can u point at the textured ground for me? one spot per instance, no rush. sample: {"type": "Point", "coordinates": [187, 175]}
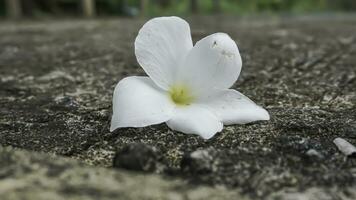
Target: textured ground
{"type": "Point", "coordinates": [56, 84]}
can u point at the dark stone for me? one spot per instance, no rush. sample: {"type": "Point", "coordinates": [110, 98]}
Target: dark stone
{"type": "Point", "coordinates": [198, 162]}
{"type": "Point", "coordinates": [137, 156]}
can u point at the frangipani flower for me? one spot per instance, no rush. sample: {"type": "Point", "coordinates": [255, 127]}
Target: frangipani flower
{"type": "Point", "coordinates": [187, 86]}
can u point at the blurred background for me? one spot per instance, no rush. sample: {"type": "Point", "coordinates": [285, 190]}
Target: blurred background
{"type": "Point", "coordinates": [24, 9]}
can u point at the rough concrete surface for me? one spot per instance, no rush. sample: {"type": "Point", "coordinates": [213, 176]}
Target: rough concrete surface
{"type": "Point", "coordinates": [56, 84]}
{"type": "Point", "coordinates": [38, 176]}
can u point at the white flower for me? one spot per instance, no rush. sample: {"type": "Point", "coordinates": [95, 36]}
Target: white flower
{"type": "Point", "coordinates": [186, 87]}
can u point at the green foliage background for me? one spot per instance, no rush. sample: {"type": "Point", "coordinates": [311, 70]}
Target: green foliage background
{"type": "Point", "coordinates": [181, 7]}
{"type": "Point", "coordinates": [243, 6]}
{"type": "Point", "coordinates": [260, 6]}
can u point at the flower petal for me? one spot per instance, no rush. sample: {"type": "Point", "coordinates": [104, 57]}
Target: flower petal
{"type": "Point", "coordinates": [138, 102]}
{"type": "Point", "coordinates": [232, 107]}
{"type": "Point", "coordinates": [195, 119]}
{"type": "Point", "coordinates": [160, 47]}
{"type": "Point", "coordinates": [214, 62]}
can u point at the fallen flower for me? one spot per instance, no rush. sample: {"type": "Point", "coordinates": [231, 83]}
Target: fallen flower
{"type": "Point", "coordinates": [186, 87]}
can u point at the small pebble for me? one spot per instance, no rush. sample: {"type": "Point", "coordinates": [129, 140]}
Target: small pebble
{"type": "Point", "coordinates": [345, 147]}
{"type": "Point", "coordinates": [314, 153]}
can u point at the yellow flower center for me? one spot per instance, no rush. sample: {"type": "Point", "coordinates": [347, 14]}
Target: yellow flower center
{"type": "Point", "coordinates": [181, 95]}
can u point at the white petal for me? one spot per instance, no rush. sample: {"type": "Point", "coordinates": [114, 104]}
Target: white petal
{"type": "Point", "coordinates": [214, 62]}
{"type": "Point", "coordinates": [160, 47]}
{"type": "Point", "coordinates": [197, 120]}
{"type": "Point", "coordinates": [232, 107]}
{"type": "Point", "coordinates": [138, 102]}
